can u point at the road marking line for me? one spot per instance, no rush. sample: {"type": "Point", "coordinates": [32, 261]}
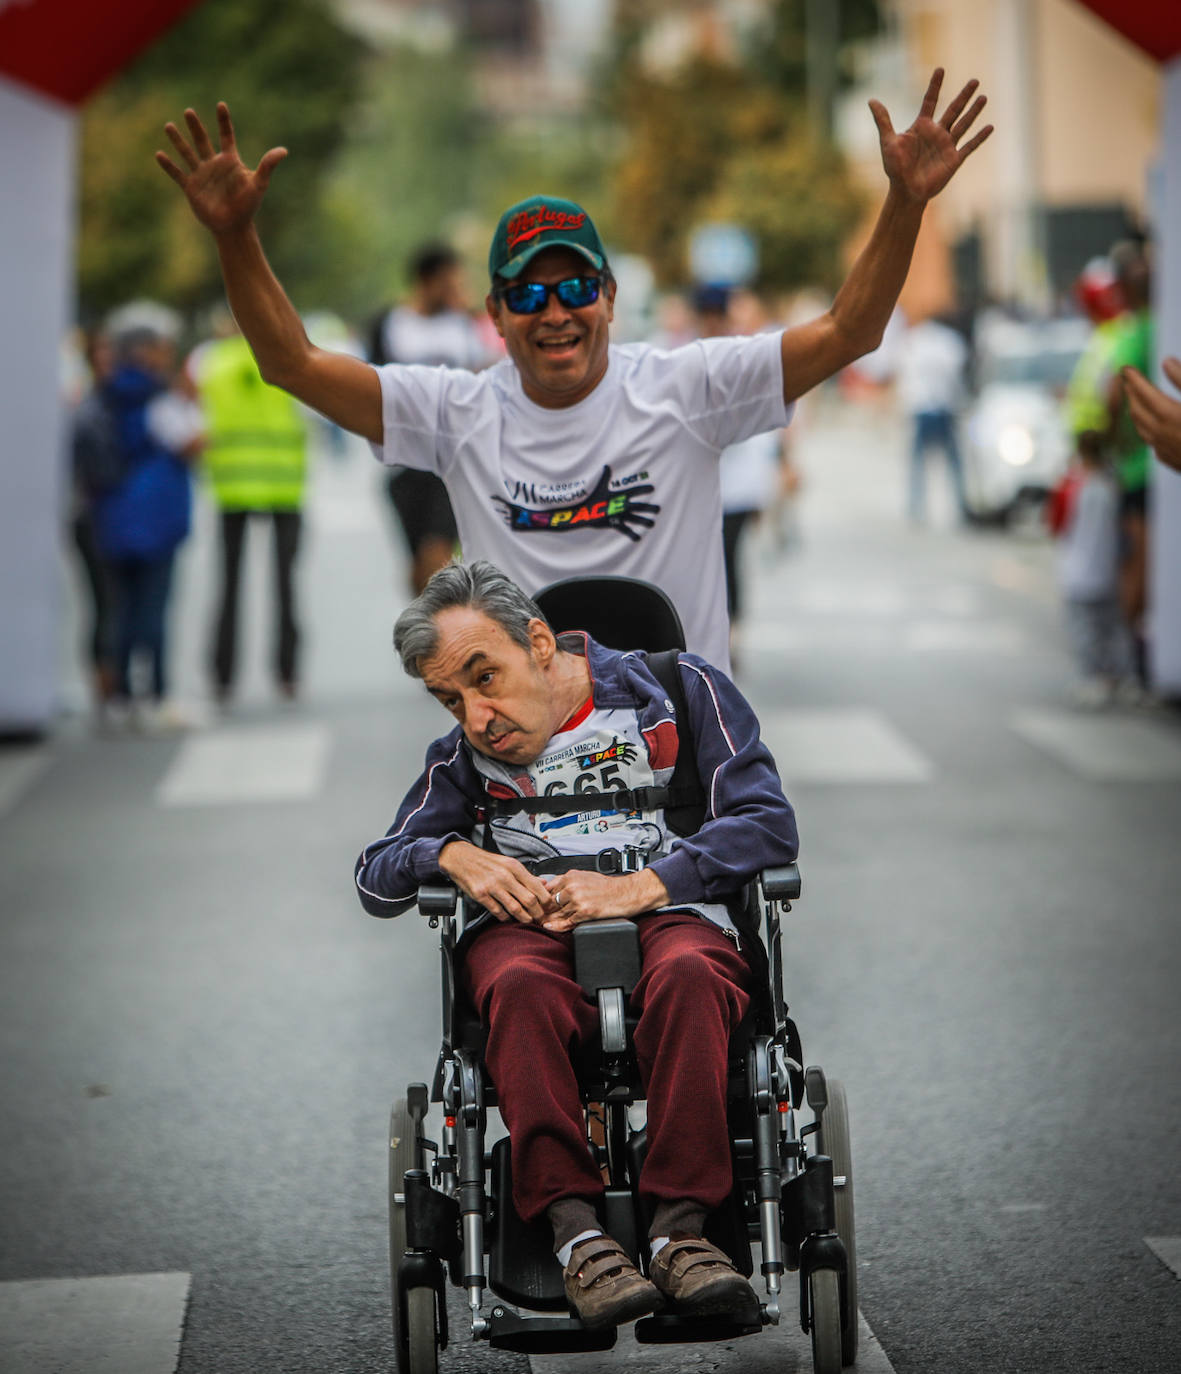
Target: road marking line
{"type": "Point", "coordinates": [1167, 1249]}
{"type": "Point", "coordinates": [964, 637]}
{"type": "Point", "coordinates": [771, 1351]}
{"type": "Point", "coordinates": [271, 763]}
{"type": "Point", "coordinates": [1107, 748]}
{"type": "Point", "coordinates": [841, 746]}
{"type": "Point", "coordinates": [20, 767]}
{"type": "Point", "coordinates": [124, 1324]}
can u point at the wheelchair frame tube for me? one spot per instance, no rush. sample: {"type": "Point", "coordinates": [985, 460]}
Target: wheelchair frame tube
{"type": "Point", "coordinates": [471, 1186]}
{"type": "Point", "coordinates": [767, 1167]}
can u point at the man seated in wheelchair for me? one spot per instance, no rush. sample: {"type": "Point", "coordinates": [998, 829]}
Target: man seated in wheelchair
{"type": "Point", "coordinates": [539, 717]}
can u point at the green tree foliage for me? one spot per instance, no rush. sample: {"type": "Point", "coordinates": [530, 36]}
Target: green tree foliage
{"type": "Point", "coordinates": [289, 75]}
{"type": "Point", "coordinates": [404, 176]}
{"type": "Point", "coordinates": [779, 54]}
{"type": "Point", "coordinates": [713, 141]}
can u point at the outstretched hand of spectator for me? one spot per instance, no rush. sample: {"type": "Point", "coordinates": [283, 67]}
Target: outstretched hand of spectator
{"type": "Point", "coordinates": [223, 192]}
{"type": "Point", "coordinates": [921, 160]}
{"type": "Point", "coordinates": [1155, 415]}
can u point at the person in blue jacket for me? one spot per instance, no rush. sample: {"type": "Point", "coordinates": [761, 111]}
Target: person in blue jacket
{"type": "Point", "coordinates": [539, 716]}
{"type": "Point", "coordinates": [143, 512]}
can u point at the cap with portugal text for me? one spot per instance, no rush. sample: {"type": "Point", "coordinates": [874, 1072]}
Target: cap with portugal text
{"type": "Point", "coordinates": [540, 222]}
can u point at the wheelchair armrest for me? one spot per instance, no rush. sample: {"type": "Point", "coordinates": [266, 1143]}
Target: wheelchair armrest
{"type": "Point", "coordinates": [438, 899]}
{"type": "Point", "coordinates": [782, 884]}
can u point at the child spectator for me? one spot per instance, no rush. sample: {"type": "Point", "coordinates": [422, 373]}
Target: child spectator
{"type": "Point", "coordinates": [1089, 573]}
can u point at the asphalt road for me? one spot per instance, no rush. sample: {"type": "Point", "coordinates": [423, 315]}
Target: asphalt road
{"type": "Point", "coordinates": [202, 1032]}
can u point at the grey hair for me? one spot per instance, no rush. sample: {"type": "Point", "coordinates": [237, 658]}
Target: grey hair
{"type": "Point", "coordinates": [479, 585]}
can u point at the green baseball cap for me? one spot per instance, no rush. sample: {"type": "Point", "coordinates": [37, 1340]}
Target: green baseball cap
{"type": "Point", "coordinates": [541, 222]}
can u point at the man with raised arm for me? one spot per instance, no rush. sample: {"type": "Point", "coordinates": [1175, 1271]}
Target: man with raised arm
{"type": "Point", "coordinates": [573, 453]}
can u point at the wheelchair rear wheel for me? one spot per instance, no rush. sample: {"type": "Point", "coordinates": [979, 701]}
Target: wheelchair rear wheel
{"type": "Point", "coordinates": [834, 1141]}
{"type": "Point", "coordinates": [824, 1302]}
{"type": "Point", "coordinates": [406, 1152]}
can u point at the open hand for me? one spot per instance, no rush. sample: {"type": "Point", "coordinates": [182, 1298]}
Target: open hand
{"type": "Point", "coordinates": [1155, 415]}
{"type": "Point", "coordinates": [223, 192]}
{"type": "Point", "coordinates": [922, 160]}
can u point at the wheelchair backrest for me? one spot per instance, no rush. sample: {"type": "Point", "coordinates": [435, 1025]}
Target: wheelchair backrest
{"type": "Point", "coordinates": [620, 612]}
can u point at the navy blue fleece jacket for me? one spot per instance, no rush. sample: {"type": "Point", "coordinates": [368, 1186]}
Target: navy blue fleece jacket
{"type": "Point", "coordinates": [749, 824]}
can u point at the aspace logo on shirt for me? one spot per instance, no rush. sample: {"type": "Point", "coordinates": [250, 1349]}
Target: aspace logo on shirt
{"type": "Point", "coordinates": [601, 507]}
{"type": "Point", "coordinates": [619, 750]}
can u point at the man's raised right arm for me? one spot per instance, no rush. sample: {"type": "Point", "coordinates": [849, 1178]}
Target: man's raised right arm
{"type": "Point", "coordinates": [224, 194]}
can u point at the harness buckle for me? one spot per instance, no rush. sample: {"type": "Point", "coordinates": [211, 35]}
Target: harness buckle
{"type": "Point", "coordinates": [630, 859]}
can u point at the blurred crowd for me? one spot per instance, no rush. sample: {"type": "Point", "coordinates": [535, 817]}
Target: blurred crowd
{"type": "Point", "coordinates": [1035, 414]}
{"type": "Point", "coordinates": [148, 418]}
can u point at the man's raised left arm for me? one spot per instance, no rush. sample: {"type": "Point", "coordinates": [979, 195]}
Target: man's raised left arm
{"type": "Point", "coordinates": [919, 162]}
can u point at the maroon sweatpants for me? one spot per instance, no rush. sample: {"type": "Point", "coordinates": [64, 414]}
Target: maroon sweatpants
{"type": "Point", "coordinates": [690, 997]}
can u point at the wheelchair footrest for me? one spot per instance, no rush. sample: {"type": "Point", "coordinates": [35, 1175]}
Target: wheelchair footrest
{"type": "Point", "coordinates": [508, 1330]}
{"type": "Point", "coordinates": [666, 1328]}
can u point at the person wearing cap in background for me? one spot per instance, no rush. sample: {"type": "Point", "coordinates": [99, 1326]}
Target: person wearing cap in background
{"type": "Point", "coordinates": [1098, 292]}
{"type": "Point", "coordinates": [573, 455]}
{"type": "Point", "coordinates": [1132, 346]}
{"type": "Point", "coordinates": [142, 509]}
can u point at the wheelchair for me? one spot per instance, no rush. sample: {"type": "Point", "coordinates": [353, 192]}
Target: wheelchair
{"type": "Point", "coordinates": [451, 1210]}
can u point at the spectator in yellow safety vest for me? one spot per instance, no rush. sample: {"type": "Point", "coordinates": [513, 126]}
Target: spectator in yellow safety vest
{"type": "Point", "coordinates": [255, 462]}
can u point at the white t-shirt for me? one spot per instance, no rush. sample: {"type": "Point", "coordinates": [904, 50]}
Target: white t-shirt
{"type": "Point", "coordinates": [625, 482]}
{"type": "Point", "coordinates": [931, 361]}
{"type": "Point", "coordinates": [448, 339]}
{"type": "Point", "coordinates": [600, 749]}
{"type": "Point", "coordinates": [175, 421]}
{"type": "Point", "coordinates": [1088, 564]}
{"type": "Point", "coordinates": [750, 472]}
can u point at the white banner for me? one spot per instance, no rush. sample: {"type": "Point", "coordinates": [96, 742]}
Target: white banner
{"type": "Point", "coordinates": [36, 288]}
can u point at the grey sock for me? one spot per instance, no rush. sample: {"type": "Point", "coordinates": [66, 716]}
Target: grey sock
{"type": "Point", "coordinates": [569, 1217]}
{"type": "Point", "coordinates": [685, 1218]}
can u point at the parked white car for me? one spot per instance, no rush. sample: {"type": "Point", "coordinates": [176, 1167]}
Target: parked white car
{"type": "Point", "coordinates": [1015, 443]}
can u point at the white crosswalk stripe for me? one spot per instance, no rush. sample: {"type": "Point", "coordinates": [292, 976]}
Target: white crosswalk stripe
{"type": "Point", "coordinates": [19, 769]}
{"type": "Point", "coordinates": [260, 764]}
{"type": "Point", "coordinates": [1105, 748]}
{"type": "Point", "coordinates": [841, 746]}
{"type": "Point", "coordinates": [124, 1324]}
{"type": "Point", "coordinates": [1167, 1249]}
{"type": "Point", "coordinates": [772, 1351]}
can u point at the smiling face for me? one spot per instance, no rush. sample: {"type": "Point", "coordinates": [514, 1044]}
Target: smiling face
{"type": "Point", "coordinates": [561, 353]}
{"type": "Point", "coordinates": [501, 693]}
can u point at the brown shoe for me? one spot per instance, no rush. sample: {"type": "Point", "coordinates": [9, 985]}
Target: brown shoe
{"type": "Point", "coordinates": [604, 1287]}
{"type": "Point", "coordinates": [700, 1279]}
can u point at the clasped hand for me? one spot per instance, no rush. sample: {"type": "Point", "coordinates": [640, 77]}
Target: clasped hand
{"type": "Point", "coordinates": [506, 888]}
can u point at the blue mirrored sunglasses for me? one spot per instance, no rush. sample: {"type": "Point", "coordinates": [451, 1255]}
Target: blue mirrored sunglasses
{"type": "Point", "coordinates": [531, 297]}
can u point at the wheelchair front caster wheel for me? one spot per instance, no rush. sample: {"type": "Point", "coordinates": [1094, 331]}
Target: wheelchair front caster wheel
{"type": "Point", "coordinates": [421, 1351]}
{"type": "Point", "coordinates": [824, 1304]}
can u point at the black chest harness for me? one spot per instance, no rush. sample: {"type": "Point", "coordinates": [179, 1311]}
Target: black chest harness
{"type": "Point", "coordinates": [682, 797]}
